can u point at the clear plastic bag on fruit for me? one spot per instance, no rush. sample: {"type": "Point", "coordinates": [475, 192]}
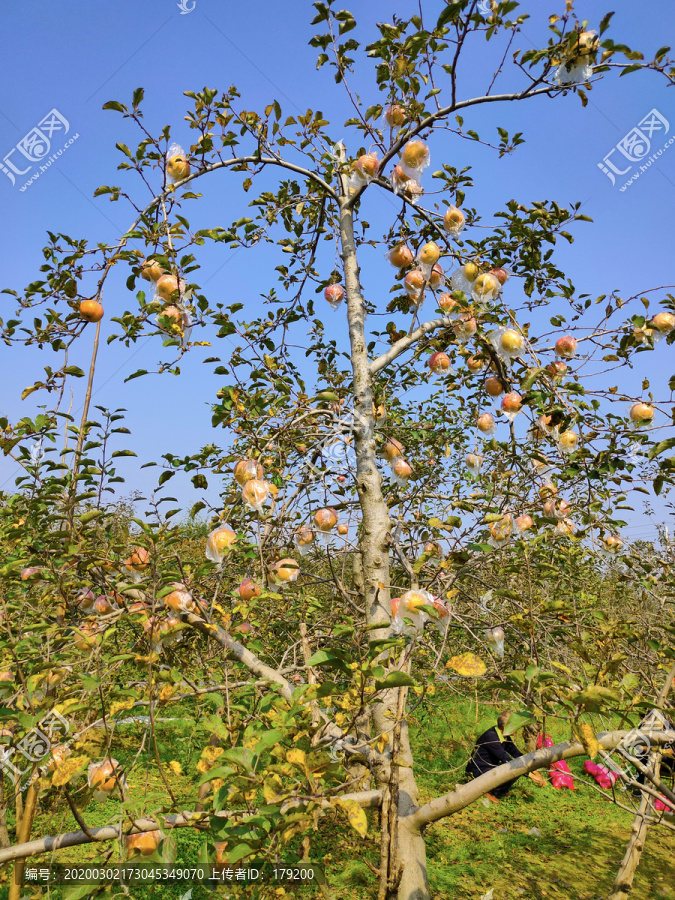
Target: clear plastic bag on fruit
{"type": "Point", "coordinates": [500, 531]}
{"type": "Point", "coordinates": [401, 470]}
{"type": "Point", "coordinates": [485, 288]}
{"type": "Point", "coordinates": [507, 342]}
{"type": "Point", "coordinates": [334, 295]}
{"type": "Point", "coordinates": [486, 425]}
{"type": "Point", "coordinates": [176, 321]}
{"type": "Point", "coordinates": [464, 277]}
{"type": "Point", "coordinates": [474, 461]}
{"type": "Point", "coordinates": [565, 528]}
{"type": "Point", "coordinates": [465, 327]}
{"type": "Point", "coordinates": [442, 618]}
{"type": "Point", "coordinates": [495, 638]}
{"type": "Point", "coordinates": [578, 72]}
{"type": "Point", "coordinates": [454, 221]}
{"type": "Point", "coordinates": [218, 543]}
{"type": "Point", "coordinates": [415, 158]}
{"type": "Point", "coordinates": [512, 405]}
{"type": "Point", "coordinates": [399, 256]}
{"type": "Point", "coordinates": [439, 363]}
{"type": "Point", "coordinates": [283, 573]}
{"type": "Point", "coordinates": [304, 540]}
{"type": "Point", "coordinates": [177, 166]}
{"type": "Point", "coordinates": [414, 284]}
{"type": "Point", "coordinates": [522, 526]}
{"type": "Point", "coordinates": [255, 494]}
{"type": "Point", "coordinates": [568, 442]}
{"type": "Point", "coordinates": [245, 470]}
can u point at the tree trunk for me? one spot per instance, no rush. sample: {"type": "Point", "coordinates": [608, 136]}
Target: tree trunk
{"type": "Point", "coordinates": [403, 859]}
{"type": "Point", "coordinates": [623, 883]}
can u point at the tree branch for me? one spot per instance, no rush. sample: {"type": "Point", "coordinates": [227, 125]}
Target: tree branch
{"type": "Point", "coordinates": [464, 794]}
{"type": "Point", "coordinates": [406, 342]}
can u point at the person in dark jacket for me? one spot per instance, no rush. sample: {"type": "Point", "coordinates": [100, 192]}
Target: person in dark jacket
{"type": "Point", "coordinates": [493, 749]}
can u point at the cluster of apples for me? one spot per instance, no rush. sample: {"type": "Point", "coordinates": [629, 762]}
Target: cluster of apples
{"type": "Point", "coordinates": [255, 489]}
{"type": "Point", "coordinates": [169, 299]}
{"type": "Point", "coordinates": [406, 178]}
{"type": "Point", "coordinates": [414, 609]}
{"type": "Point", "coordinates": [659, 326]}
{"type": "Point", "coordinates": [483, 286]}
{"type": "Point", "coordinates": [400, 468]}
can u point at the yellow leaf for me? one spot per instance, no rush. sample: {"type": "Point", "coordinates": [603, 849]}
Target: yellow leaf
{"type": "Point", "coordinates": [561, 666]}
{"type": "Point", "coordinates": [357, 817]}
{"type": "Point", "coordinates": [296, 757]}
{"type": "Point", "coordinates": [120, 706]}
{"type": "Point", "coordinates": [272, 789]}
{"type": "Point", "coordinates": [68, 768]}
{"type": "Point", "coordinates": [467, 665]}
{"type": "Point", "coordinates": [166, 692]}
{"type": "Point", "coordinates": [176, 767]}
{"type": "Point", "coordinates": [382, 742]}
{"type": "Point", "coordinates": [585, 735]}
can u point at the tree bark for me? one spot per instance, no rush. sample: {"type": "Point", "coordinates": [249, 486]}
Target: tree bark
{"type": "Point", "coordinates": [399, 800]}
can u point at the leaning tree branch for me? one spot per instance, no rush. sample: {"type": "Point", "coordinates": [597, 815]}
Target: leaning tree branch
{"type": "Point", "coordinates": [407, 342]}
{"type": "Point", "coordinates": [465, 794]}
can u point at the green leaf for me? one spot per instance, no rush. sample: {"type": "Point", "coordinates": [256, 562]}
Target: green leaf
{"type": "Point", "coordinates": [394, 680]}
{"type": "Point", "coordinates": [123, 453]}
{"type": "Point", "coordinates": [113, 104]}
{"type": "Point", "coordinates": [661, 447]}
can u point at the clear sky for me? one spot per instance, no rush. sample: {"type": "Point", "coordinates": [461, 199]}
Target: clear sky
{"type": "Point", "coordinates": [74, 55]}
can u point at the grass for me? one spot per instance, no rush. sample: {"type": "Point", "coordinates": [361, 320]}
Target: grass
{"type": "Point", "coordinates": [575, 857]}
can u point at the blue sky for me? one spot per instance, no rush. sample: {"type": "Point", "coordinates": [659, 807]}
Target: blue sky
{"type": "Point", "coordinates": [74, 55]}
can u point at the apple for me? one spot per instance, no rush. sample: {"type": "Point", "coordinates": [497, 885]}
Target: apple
{"type": "Point", "coordinates": [512, 402]}
{"type": "Point", "coordinates": [394, 115]}
{"type": "Point", "coordinates": [166, 286]}
{"type": "Point", "coordinates": [447, 303]}
{"type": "Point", "coordinates": [29, 572]}
{"type": "Point", "coordinates": [511, 341]}
{"type": "Point", "coordinates": [139, 559]}
{"type": "Point", "coordinates": [343, 528]}
{"type": "Point", "coordinates": [179, 599]}
{"type": "Point", "coordinates": [285, 571]}
{"type": "Point", "coordinates": [400, 179]}
{"type": "Point", "coordinates": [440, 363]}
{"type": "Point", "coordinates": [58, 755]}
{"type": "Point", "coordinates": [219, 540]}
{"type": "Point", "coordinates": [248, 589]}
{"type": "Point", "coordinates": [587, 43]}
{"type": "Point", "coordinates": [486, 423]}
{"type": "Point", "coordinates": [392, 449]}
{"type": "Point", "coordinates": [304, 536]}
{"type": "Point", "coordinates": [548, 490]}
{"type": "Point", "coordinates": [429, 254]}
{"type": "Point", "coordinates": [493, 386]}
{"type": "Point", "coordinates": [143, 844]}
{"type": "Point", "coordinates": [495, 635]}
{"type": "Point", "coordinates": [91, 311]}
{"type": "Point", "coordinates": [245, 470]}
{"type": "Point", "coordinates": [432, 548]}
{"type": "Point", "coordinates": [85, 599]}
{"type": "Point", "coordinates": [473, 463]}
{"type": "Point", "coordinates": [400, 256]}
{"type": "Point", "coordinates": [367, 165]}
{"type": "Point", "coordinates": [325, 519]}
{"type": "Point", "coordinates": [486, 286]}
{"type": "Point", "coordinates": [475, 364]}
{"type": "Point", "coordinates": [549, 509]}
{"type": "Point", "coordinates": [524, 523]}
{"type": "Point", "coordinates": [466, 327]}
{"type": "Point", "coordinates": [151, 270]}
{"type": "Point", "coordinates": [334, 294]}
{"type": "Point", "coordinates": [436, 276]}
{"type": "Point", "coordinates": [557, 368]}
{"type": "Point", "coordinates": [568, 441]}
{"type": "Point", "coordinates": [415, 154]}
{"type": "Point", "coordinates": [471, 271]}
{"type": "Point", "coordinates": [501, 530]}
{"type": "Point", "coordinates": [255, 493]}
{"type": "Point", "coordinates": [402, 469]}
{"type": "Point", "coordinates": [103, 777]}
{"type": "Point", "coordinates": [566, 346]}
{"type": "Point", "coordinates": [641, 413]}
{"type": "Point", "coordinates": [612, 543]}
{"type": "Point", "coordinates": [501, 275]}
{"type": "Point", "coordinates": [565, 528]}
{"type": "Point", "coordinates": [413, 600]}
{"type": "Point", "coordinates": [453, 220]}
{"type": "Point", "coordinates": [379, 413]}
{"type": "Point", "coordinates": [7, 675]}
{"type": "Point", "coordinates": [103, 606]}
{"type": "Point", "coordinates": [87, 636]}
{"type": "Point", "coordinates": [178, 167]}
{"type": "Point", "coordinates": [414, 284]}
{"type": "Point", "coordinates": [664, 322]}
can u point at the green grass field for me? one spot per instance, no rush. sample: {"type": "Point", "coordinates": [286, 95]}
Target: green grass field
{"type": "Point", "coordinates": [574, 857]}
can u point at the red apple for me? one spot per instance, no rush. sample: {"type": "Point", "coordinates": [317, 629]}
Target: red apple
{"type": "Point", "coordinates": [91, 311]}
{"type": "Point", "coordinates": [401, 256]}
{"type": "Point", "coordinates": [248, 589]}
{"type": "Point", "coordinates": [566, 346]}
{"type": "Point", "coordinates": [440, 363]}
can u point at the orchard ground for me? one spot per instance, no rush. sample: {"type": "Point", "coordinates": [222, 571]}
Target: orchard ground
{"type": "Point", "coordinates": [574, 856]}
